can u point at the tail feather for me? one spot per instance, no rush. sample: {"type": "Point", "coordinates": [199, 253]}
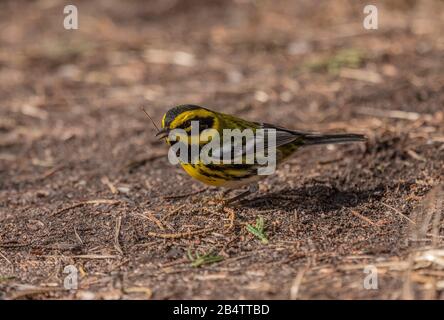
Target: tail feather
{"type": "Point", "coordinates": [311, 139]}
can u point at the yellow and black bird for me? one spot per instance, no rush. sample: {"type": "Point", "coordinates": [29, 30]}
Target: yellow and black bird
{"type": "Point", "coordinates": [236, 175]}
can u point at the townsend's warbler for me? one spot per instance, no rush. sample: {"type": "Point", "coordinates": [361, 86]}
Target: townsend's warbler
{"type": "Point", "coordinates": [233, 175]}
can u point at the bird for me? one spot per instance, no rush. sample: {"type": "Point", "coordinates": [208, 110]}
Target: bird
{"type": "Point", "coordinates": [236, 175]}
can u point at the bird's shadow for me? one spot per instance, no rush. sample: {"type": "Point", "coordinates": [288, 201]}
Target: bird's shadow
{"type": "Point", "coordinates": [313, 197]}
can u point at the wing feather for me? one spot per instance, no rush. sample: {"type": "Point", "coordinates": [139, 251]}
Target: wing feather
{"type": "Point", "coordinates": [259, 143]}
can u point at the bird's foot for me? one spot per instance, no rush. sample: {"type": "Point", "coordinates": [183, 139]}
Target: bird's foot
{"type": "Point", "coordinates": [251, 189]}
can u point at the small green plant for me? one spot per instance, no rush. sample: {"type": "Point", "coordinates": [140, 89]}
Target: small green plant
{"type": "Point", "coordinates": [348, 58]}
{"type": "Point", "coordinates": [199, 260]}
{"type": "Point", "coordinates": [6, 278]}
{"type": "Point", "coordinates": [258, 229]}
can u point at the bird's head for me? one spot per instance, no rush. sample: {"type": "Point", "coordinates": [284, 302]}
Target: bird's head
{"type": "Point", "coordinates": [181, 117]}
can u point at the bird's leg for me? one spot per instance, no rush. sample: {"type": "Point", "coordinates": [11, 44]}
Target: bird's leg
{"type": "Point", "coordinates": [251, 189]}
{"type": "Point", "coordinates": [221, 194]}
{"type": "Point", "coordinates": [225, 192]}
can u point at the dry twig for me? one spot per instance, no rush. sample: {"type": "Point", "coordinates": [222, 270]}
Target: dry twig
{"type": "Point", "coordinates": [4, 257]}
{"type": "Point", "coordinates": [360, 216]}
{"type": "Point", "coordinates": [112, 188]}
{"type": "Point", "coordinates": [399, 213]}
{"type": "Point", "coordinates": [116, 235]}
{"type": "Point", "coordinates": [185, 195]}
{"type": "Point", "coordinates": [393, 114]}
{"type": "Point", "coordinates": [81, 204]}
{"type": "Point", "coordinates": [180, 234]}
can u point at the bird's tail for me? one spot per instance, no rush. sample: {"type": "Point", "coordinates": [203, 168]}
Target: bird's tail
{"type": "Point", "coordinates": [311, 139]}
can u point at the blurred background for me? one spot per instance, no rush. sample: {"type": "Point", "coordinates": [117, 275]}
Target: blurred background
{"type": "Point", "coordinates": [294, 62]}
{"type": "Point", "coordinates": [71, 130]}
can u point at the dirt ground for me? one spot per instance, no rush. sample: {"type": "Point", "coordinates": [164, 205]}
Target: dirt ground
{"type": "Point", "coordinates": [84, 181]}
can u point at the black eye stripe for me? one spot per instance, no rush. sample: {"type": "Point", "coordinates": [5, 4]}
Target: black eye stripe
{"type": "Point", "coordinates": [204, 123]}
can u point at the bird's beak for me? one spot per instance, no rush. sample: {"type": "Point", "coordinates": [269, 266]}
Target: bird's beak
{"type": "Point", "coordinates": [163, 133]}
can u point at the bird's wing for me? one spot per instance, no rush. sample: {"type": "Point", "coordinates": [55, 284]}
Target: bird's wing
{"type": "Point", "coordinates": [283, 136]}
{"type": "Point", "coordinates": [258, 143]}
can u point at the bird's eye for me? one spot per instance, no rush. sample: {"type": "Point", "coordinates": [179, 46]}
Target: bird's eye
{"type": "Point", "coordinates": [186, 124]}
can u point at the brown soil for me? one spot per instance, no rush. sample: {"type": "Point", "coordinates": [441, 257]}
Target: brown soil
{"type": "Point", "coordinates": [84, 181]}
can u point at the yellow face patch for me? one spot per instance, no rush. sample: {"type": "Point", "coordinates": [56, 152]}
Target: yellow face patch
{"type": "Point", "coordinates": [207, 119]}
{"type": "Point", "coordinates": [163, 120]}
